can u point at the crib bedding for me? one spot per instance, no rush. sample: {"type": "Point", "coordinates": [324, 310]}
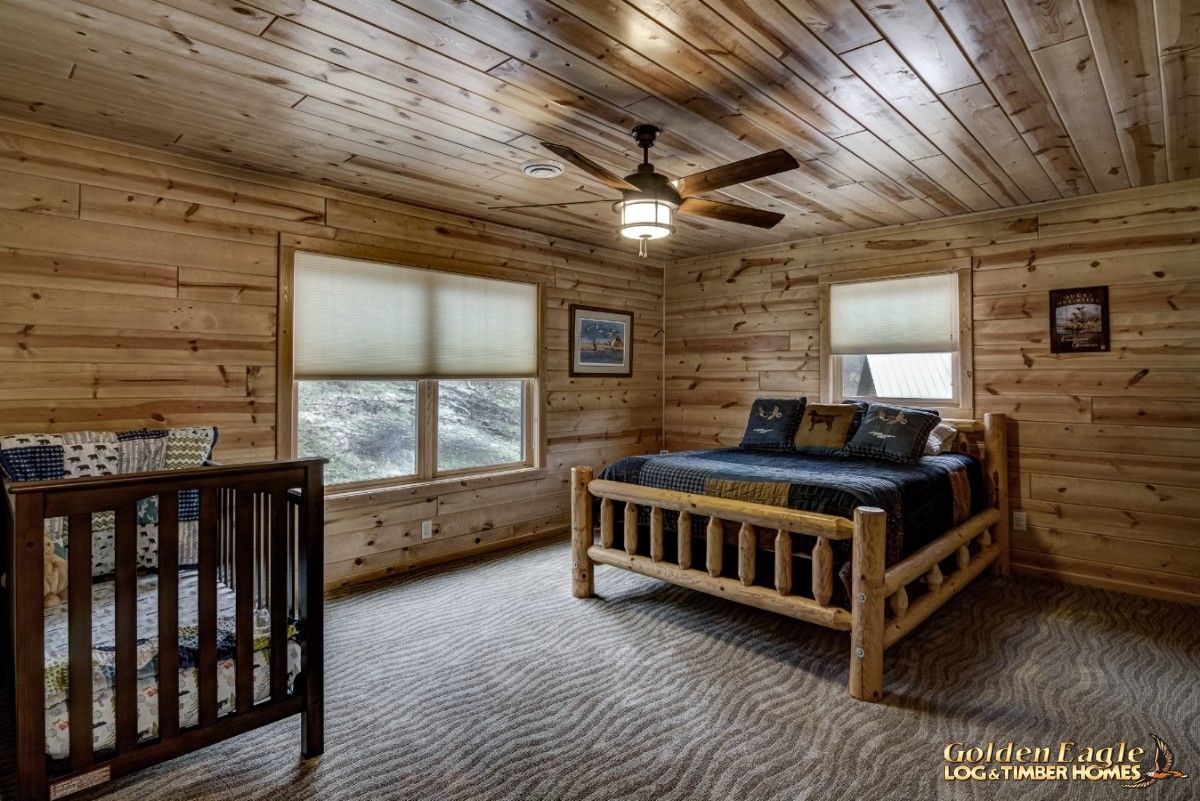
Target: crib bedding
{"type": "Point", "coordinates": [103, 660]}
{"type": "Point", "coordinates": [922, 500]}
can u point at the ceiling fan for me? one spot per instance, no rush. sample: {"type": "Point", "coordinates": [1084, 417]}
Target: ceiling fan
{"type": "Point", "coordinates": [649, 198]}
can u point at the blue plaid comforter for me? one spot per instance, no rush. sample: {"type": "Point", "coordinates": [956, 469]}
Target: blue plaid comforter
{"type": "Point", "coordinates": [920, 499]}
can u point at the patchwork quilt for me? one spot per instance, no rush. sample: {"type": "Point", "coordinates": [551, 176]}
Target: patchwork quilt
{"type": "Point", "coordinates": [922, 500]}
{"type": "Point", "coordinates": [39, 457]}
{"type": "Point", "coordinates": [58, 723]}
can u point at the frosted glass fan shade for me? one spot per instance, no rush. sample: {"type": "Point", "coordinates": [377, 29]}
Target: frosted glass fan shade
{"type": "Point", "coordinates": [646, 219]}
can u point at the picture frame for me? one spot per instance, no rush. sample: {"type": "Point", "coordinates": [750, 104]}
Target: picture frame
{"type": "Point", "coordinates": [1079, 320]}
{"type": "Point", "coordinates": [601, 342]}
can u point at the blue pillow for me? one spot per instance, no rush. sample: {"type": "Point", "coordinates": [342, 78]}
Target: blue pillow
{"type": "Point", "coordinates": [893, 433]}
{"type": "Point", "coordinates": [773, 423]}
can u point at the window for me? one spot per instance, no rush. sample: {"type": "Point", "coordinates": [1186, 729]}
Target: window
{"type": "Point", "coordinates": [411, 374]}
{"type": "Point", "coordinates": [898, 340]}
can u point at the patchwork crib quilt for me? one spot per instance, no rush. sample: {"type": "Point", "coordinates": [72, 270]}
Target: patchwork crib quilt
{"type": "Point", "coordinates": [39, 457]}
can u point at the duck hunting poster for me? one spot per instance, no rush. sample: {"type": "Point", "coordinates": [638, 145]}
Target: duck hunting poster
{"type": "Point", "coordinates": [1079, 320]}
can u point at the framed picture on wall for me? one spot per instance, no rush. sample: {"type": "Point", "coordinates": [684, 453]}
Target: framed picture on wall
{"type": "Point", "coordinates": [601, 342]}
{"type": "Point", "coordinates": [1079, 320]}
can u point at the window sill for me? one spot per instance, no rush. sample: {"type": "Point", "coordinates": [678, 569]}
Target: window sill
{"type": "Point", "coordinates": [406, 490]}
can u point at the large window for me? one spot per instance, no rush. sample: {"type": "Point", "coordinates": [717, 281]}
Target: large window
{"type": "Point", "coordinates": [411, 374]}
{"type": "Point", "coordinates": [897, 340]}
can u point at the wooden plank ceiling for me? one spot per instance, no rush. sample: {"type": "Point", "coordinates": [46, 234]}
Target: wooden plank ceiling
{"type": "Point", "coordinates": [898, 110]}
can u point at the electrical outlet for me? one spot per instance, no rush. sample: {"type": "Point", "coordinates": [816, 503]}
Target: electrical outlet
{"type": "Point", "coordinates": [426, 529]}
{"type": "Point", "coordinates": [1019, 521]}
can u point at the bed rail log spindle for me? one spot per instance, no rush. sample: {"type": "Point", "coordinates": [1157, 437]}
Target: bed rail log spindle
{"type": "Point", "coordinates": [629, 531]}
{"type": "Point", "coordinates": [683, 536]}
{"type": "Point", "coordinates": [934, 578]}
{"type": "Point", "coordinates": [581, 532]}
{"type": "Point", "coordinates": [866, 604]}
{"type": "Point", "coordinates": [715, 546]}
{"type": "Point", "coordinates": [606, 522]}
{"type": "Point", "coordinates": [747, 542]}
{"type": "Point", "coordinates": [822, 572]}
{"type": "Point", "coordinates": [898, 601]}
{"type": "Point", "coordinates": [783, 562]}
{"type": "Point", "coordinates": [995, 446]}
{"type": "Point", "coordinates": [656, 533]}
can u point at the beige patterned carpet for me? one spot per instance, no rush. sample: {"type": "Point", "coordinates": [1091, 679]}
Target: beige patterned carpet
{"type": "Point", "coordinates": [486, 680]}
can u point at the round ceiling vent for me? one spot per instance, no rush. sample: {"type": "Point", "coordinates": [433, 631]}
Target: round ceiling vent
{"type": "Point", "coordinates": [541, 168]}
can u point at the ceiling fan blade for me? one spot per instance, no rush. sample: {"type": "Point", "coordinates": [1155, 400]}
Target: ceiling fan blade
{"type": "Point", "coordinates": [729, 212]}
{"type": "Point", "coordinates": [548, 205]}
{"type": "Point", "coordinates": [776, 161]}
{"type": "Point", "coordinates": [581, 161]}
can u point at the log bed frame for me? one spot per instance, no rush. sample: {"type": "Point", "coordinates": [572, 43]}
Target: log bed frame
{"type": "Point", "coordinates": [875, 587]}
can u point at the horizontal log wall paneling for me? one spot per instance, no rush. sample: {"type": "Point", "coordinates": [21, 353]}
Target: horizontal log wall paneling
{"type": "Point", "coordinates": [138, 288]}
{"type": "Point", "coordinates": [1104, 448]}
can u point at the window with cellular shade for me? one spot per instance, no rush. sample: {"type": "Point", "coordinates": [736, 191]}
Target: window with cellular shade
{"type": "Point", "coordinates": [364, 319]}
{"type": "Point", "coordinates": [898, 315]}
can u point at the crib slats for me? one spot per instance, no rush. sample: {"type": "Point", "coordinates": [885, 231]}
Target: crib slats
{"type": "Point", "coordinates": [683, 536]}
{"type": "Point", "coordinates": [280, 570]}
{"type": "Point", "coordinates": [168, 614]}
{"type": "Point", "coordinates": [746, 551]}
{"type": "Point", "coordinates": [243, 566]}
{"type": "Point", "coordinates": [210, 511]}
{"type": "Point", "coordinates": [126, 624]}
{"type": "Point", "coordinates": [715, 547]}
{"type": "Point", "coordinates": [79, 625]}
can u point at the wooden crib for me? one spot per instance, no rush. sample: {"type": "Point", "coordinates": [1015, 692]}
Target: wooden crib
{"type": "Point", "coordinates": [259, 533]}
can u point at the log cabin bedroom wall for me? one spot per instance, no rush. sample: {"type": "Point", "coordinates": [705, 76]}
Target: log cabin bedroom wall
{"type": "Point", "coordinates": [1104, 447]}
{"type": "Point", "coordinates": [139, 289]}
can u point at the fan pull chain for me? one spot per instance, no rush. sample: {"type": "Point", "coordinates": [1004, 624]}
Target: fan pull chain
{"type": "Point", "coordinates": [643, 249]}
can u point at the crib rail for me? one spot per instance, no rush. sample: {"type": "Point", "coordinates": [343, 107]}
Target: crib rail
{"type": "Point", "coordinates": [259, 532]}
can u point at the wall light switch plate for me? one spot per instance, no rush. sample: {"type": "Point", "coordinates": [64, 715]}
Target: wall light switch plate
{"type": "Point", "coordinates": [1019, 521]}
{"type": "Point", "coordinates": [426, 529]}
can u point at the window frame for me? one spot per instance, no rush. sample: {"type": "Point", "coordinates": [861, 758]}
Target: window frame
{"type": "Point", "coordinates": [962, 366]}
{"type": "Point", "coordinates": [287, 388]}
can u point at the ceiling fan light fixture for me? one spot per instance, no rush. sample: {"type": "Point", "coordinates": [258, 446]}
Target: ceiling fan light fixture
{"type": "Point", "coordinates": [648, 218]}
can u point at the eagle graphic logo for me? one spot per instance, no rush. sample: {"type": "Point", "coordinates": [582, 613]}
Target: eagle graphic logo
{"type": "Point", "coordinates": [1164, 765]}
{"type": "Point", "coordinates": [774, 415]}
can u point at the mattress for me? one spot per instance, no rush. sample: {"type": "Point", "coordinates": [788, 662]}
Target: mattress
{"type": "Point", "coordinates": [922, 500]}
{"type": "Point", "coordinates": [58, 723]}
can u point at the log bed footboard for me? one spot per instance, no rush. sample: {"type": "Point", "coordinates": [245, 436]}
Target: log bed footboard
{"type": "Point", "coordinates": [880, 612]}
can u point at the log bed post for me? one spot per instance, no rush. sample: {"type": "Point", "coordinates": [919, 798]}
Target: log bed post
{"type": "Point", "coordinates": [866, 603]}
{"type": "Point", "coordinates": [995, 448]}
{"type": "Point", "coordinates": [581, 532]}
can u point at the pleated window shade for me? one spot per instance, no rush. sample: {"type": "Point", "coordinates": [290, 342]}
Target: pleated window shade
{"type": "Point", "coordinates": [897, 315]}
{"type": "Point", "coordinates": [363, 319]}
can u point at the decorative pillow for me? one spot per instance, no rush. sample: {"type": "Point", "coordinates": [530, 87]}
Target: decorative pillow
{"type": "Point", "coordinates": [893, 433]}
{"type": "Point", "coordinates": [941, 439]}
{"type": "Point", "coordinates": [825, 427]}
{"type": "Point", "coordinates": [772, 424]}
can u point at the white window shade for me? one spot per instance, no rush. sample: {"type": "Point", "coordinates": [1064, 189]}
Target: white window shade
{"type": "Point", "coordinates": [366, 319]}
{"type": "Point", "coordinates": [900, 315]}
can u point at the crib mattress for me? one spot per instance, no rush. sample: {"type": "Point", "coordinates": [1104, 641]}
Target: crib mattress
{"type": "Point", "coordinates": [103, 661]}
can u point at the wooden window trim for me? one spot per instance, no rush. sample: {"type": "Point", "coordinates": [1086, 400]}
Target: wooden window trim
{"type": "Point", "coordinates": [427, 476]}
{"type": "Point", "coordinates": [963, 404]}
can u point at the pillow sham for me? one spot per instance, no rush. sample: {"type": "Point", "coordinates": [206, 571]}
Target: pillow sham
{"type": "Point", "coordinates": [825, 427]}
{"type": "Point", "coordinates": [772, 424]}
{"type": "Point", "coordinates": [892, 433]}
{"type": "Point", "coordinates": [941, 439]}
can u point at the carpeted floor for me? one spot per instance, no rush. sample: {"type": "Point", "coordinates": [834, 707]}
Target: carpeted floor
{"type": "Point", "coordinates": [486, 680]}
